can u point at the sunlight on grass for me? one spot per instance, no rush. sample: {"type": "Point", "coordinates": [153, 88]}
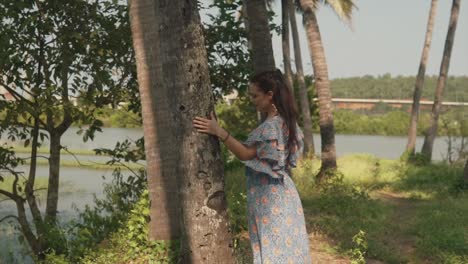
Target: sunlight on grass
{"type": "Point", "coordinates": [419, 195]}
{"type": "Point", "coordinates": [367, 170]}
{"type": "Point", "coordinates": [329, 249]}
{"type": "Point", "coordinates": [304, 176]}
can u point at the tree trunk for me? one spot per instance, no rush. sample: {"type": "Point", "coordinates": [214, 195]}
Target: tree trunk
{"type": "Point", "coordinates": [157, 130]}
{"type": "Point", "coordinates": [29, 190]}
{"type": "Point", "coordinates": [54, 173]}
{"type": "Point", "coordinates": [322, 84]}
{"type": "Point", "coordinates": [176, 79]}
{"type": "Point", "coordinates": [303, 98]}
{"type": "Point", "coordinates": [465, 172]}
{"type": "Point", "coordinates": [246, 24]}
{"type": "Point", "coordinates": [432, 131]}
{"type": "Point", "coordinates": [33, 242]}
{"type": "Point", "coordinates": [285, 4]}
{"type": "Point", "coordinates": [259, 34]}
{"type": "Point", "coordinates": [55, 134]}
{"type": "Point", "coordinates": [186, 81]}
{"type": "Point", "coordinates": [412, 131]}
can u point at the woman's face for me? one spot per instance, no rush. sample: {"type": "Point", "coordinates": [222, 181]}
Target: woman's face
{"type": "Point", "coordinates": [262, 101]}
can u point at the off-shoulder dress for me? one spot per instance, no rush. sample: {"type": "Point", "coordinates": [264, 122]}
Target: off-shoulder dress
{"type": "Point", "coordinates": [275, 215]}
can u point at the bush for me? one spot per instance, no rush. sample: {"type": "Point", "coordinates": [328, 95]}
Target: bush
{"type": "Point", "coordinates": [239, 118]}
{"type": "Point", "coordinates": [394, 123]}
{"type": "Point", "coordinates": [118, 117]}
{"type": "Point", "coordinates": [96, 223]}
{"type": "Point", "coordinates": [131, 242]}
{"type": "Point", "coordinates": [437, 178]}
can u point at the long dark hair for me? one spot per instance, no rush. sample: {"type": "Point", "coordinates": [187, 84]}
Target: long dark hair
{"type": "Point", "coordinates": [282, 98]}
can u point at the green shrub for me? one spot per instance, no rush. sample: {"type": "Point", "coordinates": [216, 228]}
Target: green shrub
{"type": "Point", "coordinates": [52, 258]}
{"type": "Point", "coordinates": [131, 243]}
{"type": "Point", "coordinates": [435, 178]}
{"type": "Point", "coordinates": [360, 247]}
{"type": "Point", "coordinates": [95, 224]}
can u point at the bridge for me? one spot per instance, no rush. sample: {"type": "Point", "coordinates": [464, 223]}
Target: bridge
{"type": "Point", "coordinates": [356, 103]}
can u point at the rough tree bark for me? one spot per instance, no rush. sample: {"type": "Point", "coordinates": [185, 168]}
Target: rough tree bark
{"type": "Point", "coordinates": [175, 87]}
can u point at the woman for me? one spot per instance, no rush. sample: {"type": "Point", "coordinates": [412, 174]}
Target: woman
{"type": "Point", "coordinates": [276, 221]}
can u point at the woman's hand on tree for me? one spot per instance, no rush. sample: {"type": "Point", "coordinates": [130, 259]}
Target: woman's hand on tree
{"type": "Point", "coordinates": [208, 126]}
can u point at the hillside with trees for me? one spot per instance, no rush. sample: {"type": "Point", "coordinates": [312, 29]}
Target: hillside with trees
{"type": "Point", "coordinates": [397, 87]}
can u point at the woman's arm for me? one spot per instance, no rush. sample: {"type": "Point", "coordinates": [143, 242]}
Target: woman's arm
{"type": "Point", "coordinates": [211, 127]}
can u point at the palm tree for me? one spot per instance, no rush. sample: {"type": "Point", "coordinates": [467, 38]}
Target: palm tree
{"type": "Point", "coordinates": [161, 183]}
{"type": "Point", "coordinates": [259, 36]}
{"type": "Point", "coordinates": [441, 81]}
{"type": "Point", "coordinates": [303, 98]}
{"type": "Point", "coordinates": [412, 131]}
{"type": "Point", "coordinates": [174, 84]}
{"type": "Point", "coordinates": [285, 6]}
{"type": "Point", "coordinates": [327, 130]}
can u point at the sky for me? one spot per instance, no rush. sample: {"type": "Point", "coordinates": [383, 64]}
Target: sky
{"type": "Point", "coordinates": [385, 37]}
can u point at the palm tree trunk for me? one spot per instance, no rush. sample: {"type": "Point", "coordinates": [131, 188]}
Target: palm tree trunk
{"type": "Point", "coordinates": [186, 82]}
{"type": "Point", "coordinates": [412, 131]}
{"type": "Point", "coordinates": [259, 35]}
{"type": "Point", "coordinates": [322, 84]}
{"type": "Point", "coordinates": [303, 98]}
{"type": "Point", "coordinates": [432, 131]}
{"type": "Point", "coordinates": [250, 43]}
{"type": "Point", "coordinates": [180, 91]}
{"type": "Point", "coordinates": [285, 5]}
{"type": "Point", "coordinates": [162, 183]}
{"type": "Point", "coordinates": [246, 24]}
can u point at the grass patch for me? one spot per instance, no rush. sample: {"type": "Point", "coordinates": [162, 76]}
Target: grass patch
{"type": "Point", "coordinates": [92, 165]}
{"type": "Point", "coordinates": [368, 171]}
{"type": "Point", "coordinates": [40, 186]}
{"type": "Point", "coordinates": [441, 227]}
{"type": "Point", "coordinates": [409, 214]}
{"type": "Point", "coordinates": [236, 196]}
{"type": "Point", "coordinates": [83, 152]}
{"type": "Point", "coordinates": [432, 179]}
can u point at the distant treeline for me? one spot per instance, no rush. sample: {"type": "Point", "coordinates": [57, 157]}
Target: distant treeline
{"type": "Point", "coordinates": [397, 87]}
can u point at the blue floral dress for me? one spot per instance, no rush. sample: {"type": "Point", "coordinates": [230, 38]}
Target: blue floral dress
{"type": "Point", "coordinates": [275, 215]}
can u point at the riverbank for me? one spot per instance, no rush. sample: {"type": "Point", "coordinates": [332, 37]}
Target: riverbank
{"type": "Point", "coordinates": [383, 121]}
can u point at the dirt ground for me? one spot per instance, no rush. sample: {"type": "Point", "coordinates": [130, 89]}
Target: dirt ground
{"type": "Point", "coordinates": [319, 246]}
